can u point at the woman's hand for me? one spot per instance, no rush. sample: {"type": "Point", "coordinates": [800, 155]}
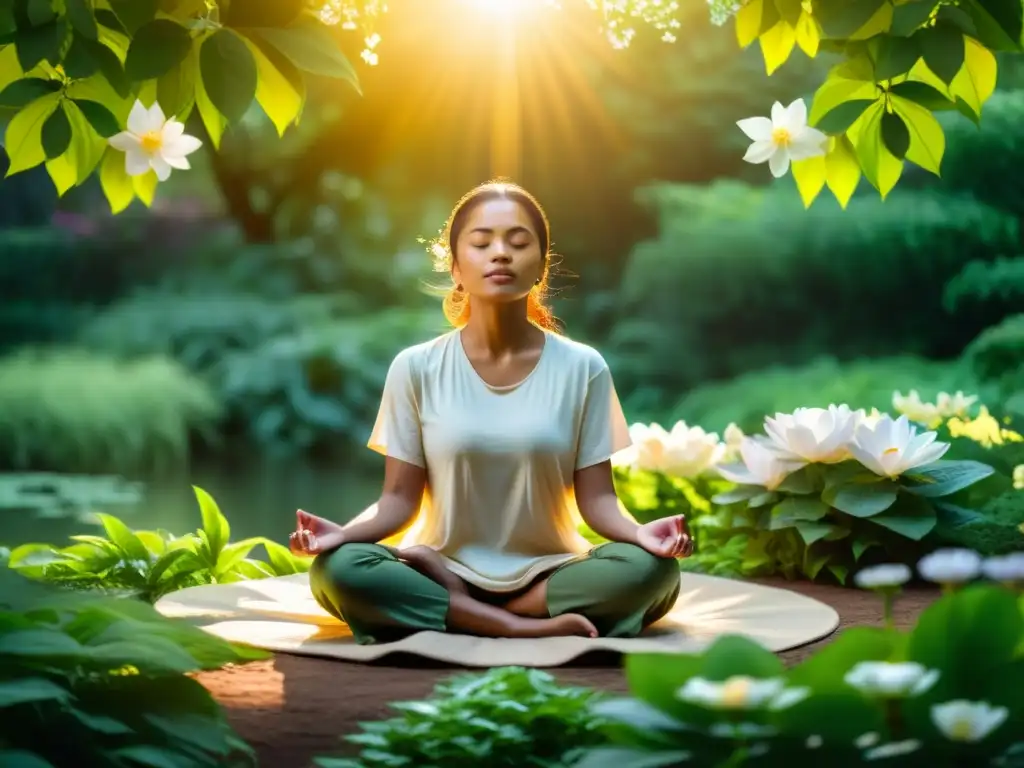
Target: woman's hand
{"type": "Point", "coordinates": [667, 537]}
{"type": "Point", "coordinates": [313, 535]}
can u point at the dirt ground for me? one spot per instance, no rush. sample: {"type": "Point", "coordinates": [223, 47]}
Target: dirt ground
{"type": "Point", "coordinates": [292, 708]}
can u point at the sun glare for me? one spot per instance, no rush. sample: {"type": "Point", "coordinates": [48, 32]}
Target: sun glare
{"type": "Point", "coordinates": [507, 9]}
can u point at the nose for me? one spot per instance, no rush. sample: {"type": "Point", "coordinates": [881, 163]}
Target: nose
{"type": "Point", "coordinates": [501, 253]}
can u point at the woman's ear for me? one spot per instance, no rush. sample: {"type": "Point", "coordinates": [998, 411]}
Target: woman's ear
{"type": "Point", "coordinates": [456, 275]}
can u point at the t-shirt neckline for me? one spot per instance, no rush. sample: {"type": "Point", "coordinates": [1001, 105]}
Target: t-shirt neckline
{"type": "Point", "coordinates": [508, 387]}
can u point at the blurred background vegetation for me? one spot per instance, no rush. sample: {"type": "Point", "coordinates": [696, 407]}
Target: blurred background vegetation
{"type": "Point", "coordinates": [236, 334]}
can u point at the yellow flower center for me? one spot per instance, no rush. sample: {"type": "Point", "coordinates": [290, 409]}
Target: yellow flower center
{"type": "Point", "coordinates": [151, 141]}
{"type": "Point", "coordinates": [735, 692]}
{"type": "Point", "coordinates": [781, 137]}
{"type": "Point", "coordinates": [889, 451]}
{"type": "Point", "coordinates": [960, 730]}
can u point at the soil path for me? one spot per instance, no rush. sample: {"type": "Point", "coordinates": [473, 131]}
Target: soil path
{"type": "Point", "coordinates": [293, 708]}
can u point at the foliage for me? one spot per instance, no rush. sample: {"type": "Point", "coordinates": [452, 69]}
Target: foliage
{"type": "Point", "coordinates": [994, 287]}
{"type": "Point", "coordinates": [997, 355]}
{"type": "Point", "coordinates": [75, 411]}
{"type": "Point", "coordinates": [821, 709]}
{"type": "Point", "coordinates": [150, 564]}
{"type": "Point", "coordinates": [866, 384]}
{"type": "Point", "coordinates": [763, 283]}
{"type": "Point", "coordinates": [56, 495]}
{"type": "Point", "coordinates": [507, 717]}
{"type": "Point", "coordinates": [92, 680]}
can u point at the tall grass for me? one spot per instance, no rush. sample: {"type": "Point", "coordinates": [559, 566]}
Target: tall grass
{"type": "Point", "coordinates": [76, 411]}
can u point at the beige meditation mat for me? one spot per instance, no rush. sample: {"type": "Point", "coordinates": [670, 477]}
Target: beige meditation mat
{"type": "Point", "coordinates": [280, 614]}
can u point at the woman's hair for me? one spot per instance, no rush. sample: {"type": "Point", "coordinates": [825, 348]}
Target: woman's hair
{"type": "Point", "coordinates": [456, 301]}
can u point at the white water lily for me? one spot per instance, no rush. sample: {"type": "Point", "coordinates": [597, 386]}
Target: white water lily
{"type": "Point", "coordinates": [893, 749]}
{"type": "Point", "coordinates": [814, 741]}
{"type": "Point", "coordinates": [814, 434]}
{"type": "Point", "coordinates": [733, 438]}
{"type": "Point", "coordinates": [950, 566]}
{"type": "Point", "coordinates": [785, 137]}
{"type": "Point", "coordinates": [863, 417]}
{"type": "Point", "coordinates": [866, 740]}
{"type": "Point", "coordinates": [891, 679]}
{"type": "Point", "coordinates": [967, 721]}
{"type": "Point", "coordinates": [915, 409]}
{"type": "Point", "coordinates": [1008, 569]}
{"type": "Point", "coordinates": [892, 447]}
{"type": "Point", "coordinates": [742, 692]}
{"type": "Point", "coordinates": [154, 142]}
{"type": "Point", "coordinates": [883, 576]}
{"type": "Point", "coordinates": [956, 404]}
{"type": "Point", "coordinates": [684, 452]}
{"type": "Point", "coordinates": [763, 464]}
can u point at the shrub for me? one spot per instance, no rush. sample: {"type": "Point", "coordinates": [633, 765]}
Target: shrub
{"type": "Point", "coordinates": [509, 717]}
{"type": "Point", "coordinates": [739, 279]}
{"type": "Point", "coordinates": [997, 356]}
{"type": "Point", "coordinates": [69, 410]}
{"type": "Point", "coordinates": [866, 384]}
{"type": "Point", "coordinates": [149, 564]}
{"type": "Point", "coordinates": [91, 680]}
{"type": "Point", "coordinates": [946, 693]}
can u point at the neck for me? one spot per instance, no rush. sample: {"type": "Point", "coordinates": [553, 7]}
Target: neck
{"type": "Point", "coordinates": [499, 328]}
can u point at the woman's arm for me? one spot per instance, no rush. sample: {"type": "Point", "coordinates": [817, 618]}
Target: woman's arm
{"type": "Point", "coordinates": [600, 506]}
{"type": "Point", "coordinates": [399, 502]}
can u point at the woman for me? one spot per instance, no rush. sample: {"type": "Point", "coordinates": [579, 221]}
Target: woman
{"type": "Point", "coordinates": [493, 433]}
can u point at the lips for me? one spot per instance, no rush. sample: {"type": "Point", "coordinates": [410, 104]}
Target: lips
{"type": "Point", "coordinates": [501, 273]}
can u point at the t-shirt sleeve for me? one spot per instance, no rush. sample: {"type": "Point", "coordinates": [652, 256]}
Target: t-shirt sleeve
{"type": "Point", "coordinates": [397, 431]}
{"type": "Point", "coordinates": [603, 428]}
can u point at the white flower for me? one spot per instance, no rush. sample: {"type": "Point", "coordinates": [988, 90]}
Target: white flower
{"type": "Point", "coordinates": [967, 721]}
{"type": "Point", "coordinates": [891, 679]}
{"type": "Point", "coordinates": [863, 417]}
{"type": "Point", "coordinates": [911, 406]}
{"type": "Point", "coordinates": [814, 741]}
{"type": "Point", "coordinates": [955, 404]}
{"type": "Point", "coordinates": [866, 740]}
{"type": "Point", "coordinates": [950, 566]}
{"type": "Point", "coordinates": [152, 141]}
{"type": "Point", "coordinates": [741, 692]}
{"type": "Point", "coordinates": [880, 576]}
{"type": "Point", "coordinates": [763, 464]}
{"type": "Point", "coordinates": [683, 452]}
{"type": "Point", "coordinates": [1005, 568]}
{"type": "Point", "coordinates": [783, 138]}
{"type": "Point", "coordinates": [813, 434]}
{"type": "Point", "coordinates": [893, 749]}
{"type": "Point", "coordinates": [733, 436]}
{"type": "Point", "coordinates": [892, 447]}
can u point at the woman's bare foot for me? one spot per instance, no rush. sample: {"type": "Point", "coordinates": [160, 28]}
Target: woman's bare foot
{"type": "Point", "coordinates": [565, 625]}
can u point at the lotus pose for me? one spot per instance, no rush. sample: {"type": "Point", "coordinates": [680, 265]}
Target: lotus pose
{"type": "Point", "coordinates": [495, 434]}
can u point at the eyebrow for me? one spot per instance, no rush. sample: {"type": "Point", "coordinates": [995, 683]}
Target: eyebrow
{"type": "Point", "coordinates": [489, 231]}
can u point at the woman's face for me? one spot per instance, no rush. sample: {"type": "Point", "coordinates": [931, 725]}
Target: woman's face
{"type": "Point", "coordinates": [498, 255]}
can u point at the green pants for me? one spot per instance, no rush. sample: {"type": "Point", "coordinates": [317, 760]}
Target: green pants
{"type": "Point", "coordinates": [620, 588]}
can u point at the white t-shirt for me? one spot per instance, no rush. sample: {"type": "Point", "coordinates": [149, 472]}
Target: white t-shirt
{"type": "Point", "coordinates": [500, 461]}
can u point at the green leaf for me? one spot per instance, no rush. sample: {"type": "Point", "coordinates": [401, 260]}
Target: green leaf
{"type": "Point", "coordinates": [959, 18]}
{"type": "Point", "coordinates": [262, 13]}
{"type": "Point", "coordinates": [215, 525]}
{"type": "Point", "coordinates": [99, 117]}
{"type": "Point", "coordinates": [731, 655]}
{"type": "Point", "coordinates": [229, 73]}
{"type": "Point", "coordinates": [312, 48]}
{"type": "Point", "coordinates": [23, 138]}
{"type": "Point", "coordinates": [908, 18]}
{"type": "Point", "coordinates": [910, 516]}
{"type": "Point", "coordinates": [860, 545]}
{"type": "Point", "coordinates": [1007, 15]}
{"type": "Point", "coordinates": [38, 642]}
{"type": "Point", "coordinates": [148, 756]}
{"type": "Point", "coordinates": [80, 14]}
{"type": "Point", "coordinates": [107, 18]}
{"type": "Point", "coordinates": [921, 93]}
{"type": "Point", "coordinates": [89, 56]}
{"type": "Point", "coordinates": [895, 134]}
{"type": "Point", "coordinates": [656, 677]}
{"type": "Point", "coordinates": [842, 20]}
{"type": "Point", "coordinates": [31, 689]}
{"type": "Point", "coordinates": [56, 133]}
{"type": "Point", "coordinates": [23, 759]}
{"type": "Point", "coordinates": [942, 478]}
{"type": "Point", "coordinates": [156, 49]}
{"type": "Point", "coordinates": [843, 116]}
{"type": "Point", "coordinates": [789, 511]}
{"type": "Point", "coordinates": [811, 531]}
{"type": "Point", "coordinates": [133, 14]}
{"type": "Point", "coordinates": [739, 493]}
{"type": "Point", "coordinates": [804, 480]}
{"type": "Point", "coordinates": [121, 535]}
{"type": "Point", "coordinates": [895, 56]}
{"type": "Point", "coordinates": [280, 89]}
{"type": "Point", "coordinates": [176, 90]}
{"type": "Point", "coordinates": [43, 43]}
{"type": "Point", "coordinates": [233, 554]}
{"type": "Point", "coordinates": [26, 90]}
{"type": "Point", "coordinates": [862, 499]}
{"type": "Point", "coordinates": [927, 141]}
{"type": "Point", "coordinates": [942, 48]}
{"type": "Point", "coordinates": [633, 757]}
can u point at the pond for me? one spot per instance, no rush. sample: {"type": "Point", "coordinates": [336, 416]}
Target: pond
{"type": "Point", "coordinates": [259, 498]}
